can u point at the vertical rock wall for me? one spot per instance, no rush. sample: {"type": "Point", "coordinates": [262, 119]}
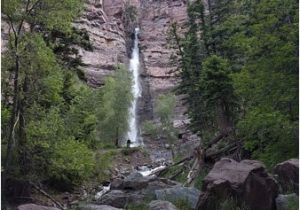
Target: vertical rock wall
{"type": "Point", "coordinates": [103, 21]}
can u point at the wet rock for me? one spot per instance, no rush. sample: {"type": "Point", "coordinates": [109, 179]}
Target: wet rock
{"type": "Point", "coordinates": [115, 198]}
{"type": "Point", "coordinates": [98, 207]}
{"type": "Point", "coordinates": [282, 201]}
{"type": "Point", "coordinates": [31, 206]}
{"type": "Point", "coordinates": [161, 205]}
{"type": "Point", "coordinates": [188, 194]}
{"type": "Point", "coordinates": [106, 32]}
{"type": "Point", "coordinates": [135, 181]}
{"type": "Point", "coordinates": [247, 181]}
{"type": "Point", "coordinates": [117, 183]}
{"type": "Point", "coordinates": [288, 174]}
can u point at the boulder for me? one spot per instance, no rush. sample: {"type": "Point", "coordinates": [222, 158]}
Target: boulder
{"type": "Point", "coordinates": [135, 181]}
{"type": "Point", "coordinates": [115, 198]}
{"type": "Point", "coordinates": [282, 201]}
{"type": "Point", "coordinates": [116, 184]}
{"type": "Point", "coordinates": [287, 173]}
{"type": "Point", "coordinates": [188, 194]}
{"type": "Point", "coordinates": [246, 181]}
{"type": "Point", "coordinates": [98, 207]}
{"type": "Point", "coordinates": [31, 206]}
{"type": "Point", "coordinates": [161, 205]}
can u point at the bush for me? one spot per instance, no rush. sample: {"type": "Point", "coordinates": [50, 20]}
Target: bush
{"type": "Point", "coordinates": [71, 162]}
{"type": "Point", "coordinates": [149, 128]}
{"type": "Point", "coordinates": [293, 204]}
{"type": "Point", "coordinates": [200, 177]}
{"type": "Point", "coordinates": [103, 164]}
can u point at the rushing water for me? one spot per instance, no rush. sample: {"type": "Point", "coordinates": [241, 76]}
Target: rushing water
{"type": "Point", "coordinates": [132, 134]}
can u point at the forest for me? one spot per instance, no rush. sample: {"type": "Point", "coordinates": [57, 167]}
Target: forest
{"type": "Point", "coordinates": [236, 66]}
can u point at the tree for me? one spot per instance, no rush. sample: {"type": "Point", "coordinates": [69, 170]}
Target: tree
{"type": "Point", "coordinates": [267, 85]}
{"type": "Point", "coordinates": [35, 13]}
{"type": "Point", "coordinates": [217, 91]}
{"type": "Point", "coordinates": [238, 64]}
{"type": "Point", "coordinates": [114, 112]}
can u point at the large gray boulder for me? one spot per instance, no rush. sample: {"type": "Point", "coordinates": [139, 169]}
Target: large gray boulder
{"type": "Point", "coordinates": [31, 206]}
{"type": "Point", "coordinates": [282, 201]}
{"type": "Point", "coordinates": [161, 205]}
{"type": "Point", "coordinates": [135, 181]}
{"type": "Point", "coordinates": [174, 194]}
{"type": "Point", "coordinates": [115, 198]}
{"type": "Point", "coordinates": [288, 175]}
{"type": "Point", "coordinates": [246, 181]}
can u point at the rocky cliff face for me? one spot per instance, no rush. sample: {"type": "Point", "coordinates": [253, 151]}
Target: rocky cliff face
{"type": "Point", "coordinates": [155, 20]}
{"type": "Point", "coordinates": [104, 21]}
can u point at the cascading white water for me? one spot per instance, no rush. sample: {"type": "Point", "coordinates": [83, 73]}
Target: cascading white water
{"type": "Point", "coordinates": [132, 134]}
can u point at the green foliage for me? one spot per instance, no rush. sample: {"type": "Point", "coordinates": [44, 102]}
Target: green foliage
{"type": "Point", "coordinates": [200, 178]}
{"type": "Point", "coordinates": [150, 128]}
{"type": "Point", "coordinates": [164, 109]}
{"type": "Point", "coordinates": [49, 13]}
{"type": "Point", "coordinates": [103, 164]}
{"type": "Point", "coordinates": [267, 85]}
{"type": "Point", "coordinates": [238, 64]}
{"type": "Point", "coordinates": [117, 98]}
{"type": "Point", "coordinates": [269, 136]}
{"type": "Point", "coordinates": [71, 162]}
{"type": "Point", "coordinates": [293, 204]}
{"type": "Point", "coordinates": [49, 117]}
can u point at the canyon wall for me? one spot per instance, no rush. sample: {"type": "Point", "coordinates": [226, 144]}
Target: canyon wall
{"type": "Point", "coordinates": [104, 22]}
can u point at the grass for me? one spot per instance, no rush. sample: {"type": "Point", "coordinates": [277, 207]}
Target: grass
{"type": "Point", "coordinates": [293, 204]}
{"type": "Point", "coordinates": [182, 205]}
{"type": "Point", "coordinates": [142, 206]}
{"type": "Point", "coordinates": [173, 170]}
{"type": "Point", "coordinates": [200, 178]}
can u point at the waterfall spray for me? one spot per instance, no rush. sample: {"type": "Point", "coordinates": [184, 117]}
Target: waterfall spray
{"type": "Point", "coordinates": [132, 134]}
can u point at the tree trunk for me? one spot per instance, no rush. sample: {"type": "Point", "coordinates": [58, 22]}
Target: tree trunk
{"type": "Point", "coordinates": [14, 113]}
{"type": "Point", "coordinates": [117, 138]}
{"type": "Point", "coordinates": [223, 120]}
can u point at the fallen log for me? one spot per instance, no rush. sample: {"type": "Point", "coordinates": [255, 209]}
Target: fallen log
{"type": "Point", "coordinates": [59, 205]}
{"type": "Point", "coordinates": [176, 174]}
{"type": "Point", "coordinates": [175, 164]}
{"type": "Point", "coordinates": [218, 138]}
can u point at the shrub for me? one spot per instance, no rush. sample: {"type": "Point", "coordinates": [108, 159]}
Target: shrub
{"type": "Point", "coordinates": [103, 164]}
{"type": "Point", "coordinates": [149, 128]}
{"type": "Point", "coordinates": [71, 162]}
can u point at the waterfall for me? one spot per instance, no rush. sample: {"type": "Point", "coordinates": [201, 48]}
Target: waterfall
{"type": "Point", "coordinates": [132, 134]}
